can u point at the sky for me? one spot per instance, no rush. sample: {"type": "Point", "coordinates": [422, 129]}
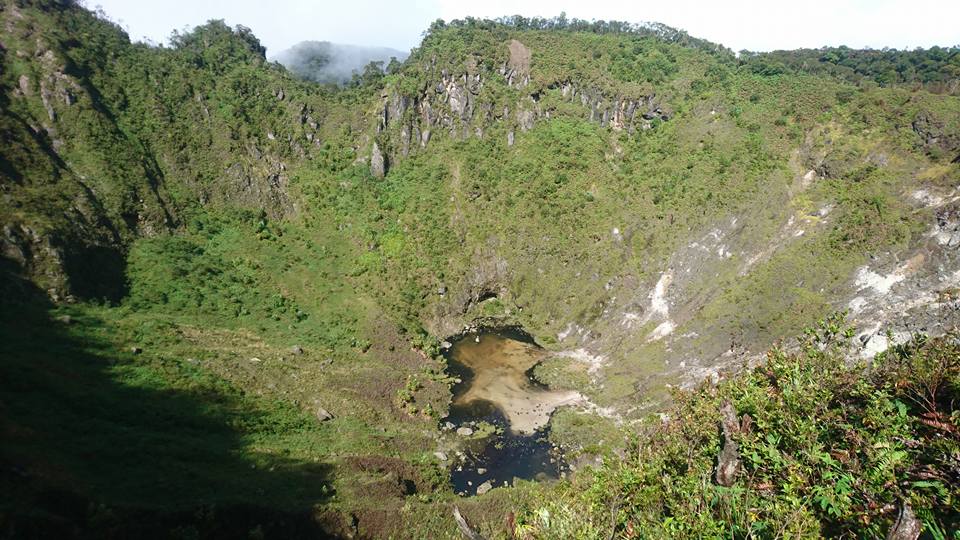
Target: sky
{"type": "Point", "coordinates": [756, 25]}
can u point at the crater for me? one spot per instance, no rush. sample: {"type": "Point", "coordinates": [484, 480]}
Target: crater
{"type": "Point", "coordinates": [506, 411]}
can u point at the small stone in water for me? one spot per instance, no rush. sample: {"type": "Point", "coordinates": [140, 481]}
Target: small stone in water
{"type": "Point", "coordinates": [464, 431]}
{"type": "Point", "coordinates": [481, 470]}
{"type": "Point", "coordinates": [484, 487]}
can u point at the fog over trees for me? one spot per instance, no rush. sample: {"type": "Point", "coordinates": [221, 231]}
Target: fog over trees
{"type": "Point", "coordinates": [325, 62]}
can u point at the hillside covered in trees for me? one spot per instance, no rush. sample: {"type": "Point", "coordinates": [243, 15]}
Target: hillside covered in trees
{"type": "Point", "coordinates": [229, 294]}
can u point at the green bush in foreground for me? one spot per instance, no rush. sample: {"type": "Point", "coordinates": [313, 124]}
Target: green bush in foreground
{"type": "Point", "coordinates": [826, 449]}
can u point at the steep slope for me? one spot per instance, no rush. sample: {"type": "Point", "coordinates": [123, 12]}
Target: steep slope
{"type": "Point", "coordinates": [676, 214]}
{"type": "Point", "coordinates": [226, 258]}
{"type": "Point", "coordinates": [109, 141]}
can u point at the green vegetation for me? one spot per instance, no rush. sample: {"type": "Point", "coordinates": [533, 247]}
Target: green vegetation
{"type": "Point", "coordinates": [935, 67]}
{"type": "Point", "coordinates": [828, 450]}
{"type": "Point", "coordinates": [218, 319]}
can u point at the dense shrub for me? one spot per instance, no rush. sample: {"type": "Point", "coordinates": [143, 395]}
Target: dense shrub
{"type": "Point", "coordinates": [830, 449]}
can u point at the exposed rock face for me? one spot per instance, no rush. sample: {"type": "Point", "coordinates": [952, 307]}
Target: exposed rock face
{"type": "Point", "coordinates": [378, 162]}
{"type": "Point", "coordinates": [118, 192]}
{"type": "Point", "coordinates": [933, 135]}
{"type": "Point", "coordinates": [517, 70]}
{"type": "Point", "coordinates": [458, 103]}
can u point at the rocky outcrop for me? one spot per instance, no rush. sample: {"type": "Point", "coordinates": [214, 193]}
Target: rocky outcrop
{"type": "Point", "coordinates": [65, 128]}
{"type": "Point", "coordinates": [378, 162]}
{"type": "Point", "coordinates": [468, 100]}
{"type": "Point", "coordinates": [935, 136]}
{"type": "Point", "coordinates": [728, 462]}
{"type": "Point", "coordinates": [517, 69]}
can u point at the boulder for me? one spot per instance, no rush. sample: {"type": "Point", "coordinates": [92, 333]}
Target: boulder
{"type": "Point", "coordinates": [464, 431]}
{"type": "Point", "coordinates": [323, 415]}
{"type": "Point", "coordinates": [907, 526]}
{"type": "Point", "coordinates": [484, 487]}
{"type": "Point", "coordinates": [297, 350]}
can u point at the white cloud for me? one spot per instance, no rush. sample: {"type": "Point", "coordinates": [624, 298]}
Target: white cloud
{"type": "Point", "coordinates": [743, 24]}
{"type": "Point", "coordinates": [759, 25]}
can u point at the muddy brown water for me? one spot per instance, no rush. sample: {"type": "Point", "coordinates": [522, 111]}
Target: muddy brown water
{"type": "Point", "coordinates": [494, 367]}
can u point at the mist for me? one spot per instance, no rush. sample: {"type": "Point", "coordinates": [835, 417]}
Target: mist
{"type": "Point", "coordinates": [325, 62]}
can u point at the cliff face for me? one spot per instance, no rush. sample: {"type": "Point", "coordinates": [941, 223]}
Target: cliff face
{"type": "Point", "coordinates": [493, 96]}
{"type": "Point", "coordinates": [106, 141]}
{"type": "Point", "coordinates": [70, 203]}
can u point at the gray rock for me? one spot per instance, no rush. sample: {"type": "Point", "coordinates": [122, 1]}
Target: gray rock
{"type": "Point", "coordinates": [481, 470]}
{"type": "Point", "coordinates": [65, 319]}
{"type": "Point", "coordinates": [448, 426]}
{"type": "Point", "coordinates": [323, 415]}
{"type": "Point", "coordinates": [297, 350]}
{"type": "Point", "coordinates": [445, 344]}
{"type": "Point", "coordinates": [484, 487]}
{"type": "Point", "coordinates": [378, 162]}
{"type": "Point", "coordinates": [907, 526]}
{"type": "Point", "coordinates": [136, 350]}
{"type": "Point", "coordinates": [728, 463]}
{"type": "Point", "coordinates": [464, 431]}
